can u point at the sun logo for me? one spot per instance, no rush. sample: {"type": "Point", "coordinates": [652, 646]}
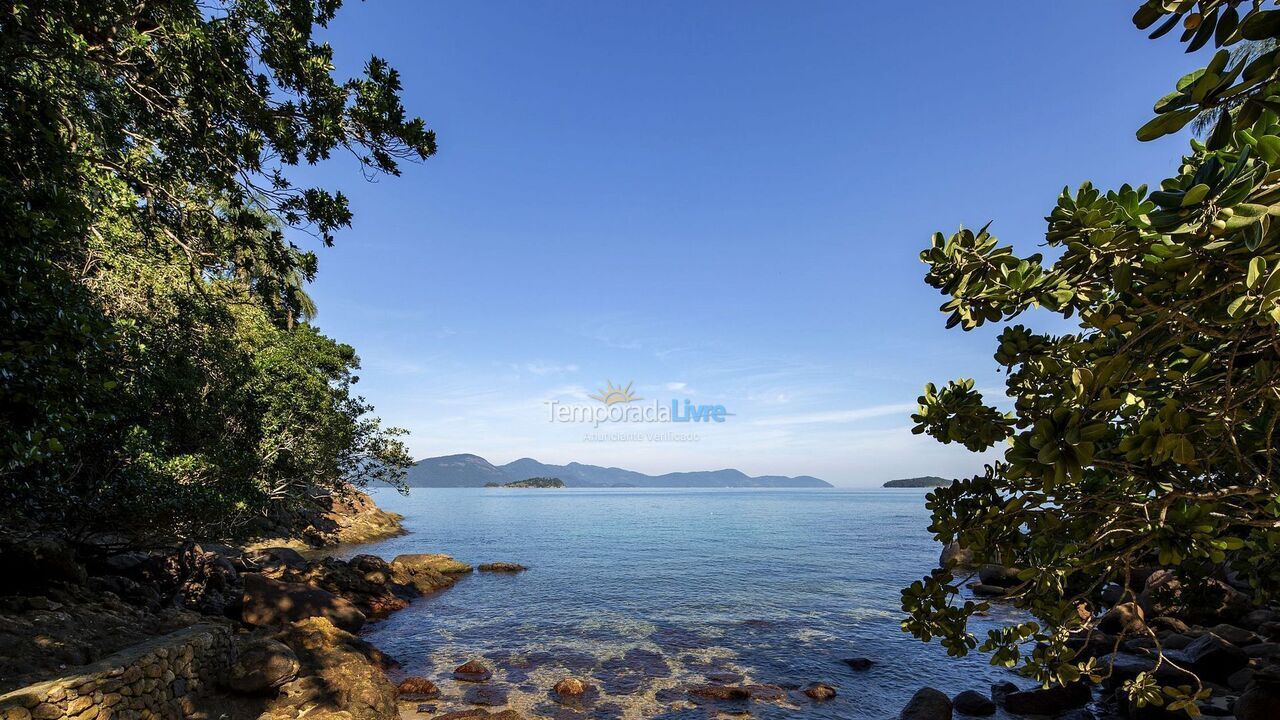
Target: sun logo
{"type": "Point", "coordinates": [610, 395]}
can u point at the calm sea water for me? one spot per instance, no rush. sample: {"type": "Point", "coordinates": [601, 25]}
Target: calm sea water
{"type": "Point", "coordinates": [649, 590]}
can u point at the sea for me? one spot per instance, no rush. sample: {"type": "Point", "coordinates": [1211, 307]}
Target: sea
{"type": "Point", "coordinates": [645, 592]}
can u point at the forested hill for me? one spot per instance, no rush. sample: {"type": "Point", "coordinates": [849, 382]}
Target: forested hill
{"type": "Point", "coordinates": [467, 470]}
{"type": "Point", "coordinates": [928, 481]}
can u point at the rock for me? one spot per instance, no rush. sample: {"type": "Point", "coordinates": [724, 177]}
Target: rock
{"type": "Point", "coordinates": [416, 687]}
{"type": "Point", "coordinates": [271, 602]}
{"type": "Point", "coordinates": [1268, 651]}
{"type": "Point", "coordinates": [472, 671]}
{"type": "Point", "coordinates": [349, 670]}
{"type": "Point", "coordinates": [1211, 657]}
{"type": "Point", "coordinates": [275, 560]}
{"type": "Point", "coordinates": [952, 553]}
{"type": "Point", "coordinates": [720, 693]}
{"type": "Point", "coordinates": [1261, 700]}
{"type": "Point", "coordinates": [1168, 623]}
{"type": "Point", "coordinates": [766, 693]}
{"type": "Point", "coordinates": [262, 665]}
{"type": "Point", "coordinates": [372, 568]}
{"type": "Point", "coordinates": [1125, 666]}
{"type": "Point", "coordinates": [1209, 600]}
{"type": "Point", "coordinates": [570, 687]}
{"type": "Point", "coordinates": [485, 695]}
{"type": "Point", "coordinates": [1125, 618]}
{"type": "Point", "coordinates": [1078, 714]}
{"type": "Point", "coordinates": [34, 563]}
{"type": "Point", "coordinates": [1175, 641]}
{"type": "Point", "coordinates": [502, 567]}
{"type": "Point", "coordinates": [1240, 679]}
{"type": "Point", "coordinates": [1000, 691]}
{"type": "Point", "coordinates": [998, 575]}
{"type": "Point", "coordinates": [859, 663]}
{"type": "Point", "coordinates": [1048, 701]}
{"type": "Point", "coordinates": [972, 702]}
{"type": "Point", "coordinates": [1235, 635]}
{"type": "Point", "coordinates": [927, 704]}
{"type": "Point", "coordinates": [820, 691]}
{"type": "Point", "coordinates": [1270, 630]}
{"type": "Point", "coordinates": [984, 590]}
{"type": "Point", "coordinates": [427, 572]}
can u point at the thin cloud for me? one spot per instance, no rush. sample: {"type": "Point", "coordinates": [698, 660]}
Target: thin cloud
{"type": "Point", "coordinates": [839, 416]}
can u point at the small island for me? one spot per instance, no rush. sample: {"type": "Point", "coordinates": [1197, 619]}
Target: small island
{"type": "Point", "coordinates": [928, 481]}
{"type": "Point", "coordinates": [537, 482]}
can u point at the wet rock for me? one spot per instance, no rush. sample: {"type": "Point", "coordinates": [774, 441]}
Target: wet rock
{"type": "Point", "coordinates": [820, 691]}
{"type": "Point", "coordinates": [472, 671]}
{"type": "Point", "coordinates": [271, 602]}
{"type": "Point", "coordinates": [766, 693]}
{"type": "Point", "coordinates": [724, 677]}
{"type": "Point", "coordinates": [262, 665]}
{"type": "Point", "coordinates": [723, 693]}
{"type": "Point", "coordinates": [501, 567]}
{"type": "Point", "coordinates": [417, 688]}
{"type": "Point", "coordinates": [490, 695]}
{"type": "Point", "coordinates": [860, 664]}
{"type": "Point", "coordinates": [972, 702]}
{"type": "Point", "coordinates": [1126, 666]}
{"type": "Point", "coordinates": [1125, 618]}
{"type": "Point", "coordinates": [927, 704]}
{"type": "Point", "coordinates": [1048, 701]}
{"type": "Point", "coordinates": [1211, 657]}
{"type": "Point", "coordinates": [954, 554]}
{"type": "Point", "coordinates": [984, 590]}
{"type": "Point", "coordinates": [1000, 691]}
{"type": "Point", "coordinates": [571, 690]}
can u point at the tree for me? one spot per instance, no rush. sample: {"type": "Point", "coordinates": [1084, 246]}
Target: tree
{"type": "Point", "coordinates": [1146, 438]}
{"type": "Point", "coordinates": [147, 291]}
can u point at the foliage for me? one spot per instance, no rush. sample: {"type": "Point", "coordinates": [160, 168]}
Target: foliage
{"type": "Point", "coordinates": [1146, 437]}
{"type": "Point", "coordinates": [155, 373]}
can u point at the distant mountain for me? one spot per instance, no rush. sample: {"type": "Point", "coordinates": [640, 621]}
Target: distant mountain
{"type": "Point", "coordinates": [455, 471]}
{"type": "Point", "coordinates": [927, 481]}
{"type": "Point", "coordinates": [475, 471]}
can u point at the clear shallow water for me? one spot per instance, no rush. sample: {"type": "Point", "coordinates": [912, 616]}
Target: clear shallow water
{"type": "Point", "coordinates": [648, 590]}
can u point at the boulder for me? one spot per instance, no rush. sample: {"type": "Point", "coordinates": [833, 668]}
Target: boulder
{"type": "Point", "coordinates": [1255, 618]}
{"type": "Point", "coordinates": [570, 687]}
{"type": "Point", "coordinates": [349, 670]}
{"type": "Point", "coordinates": [1126, 666]}
{"type": "Point", "coordinates": [1000, 575]}
{"type": "Point", "coordinates": [1235, 635]}
{"type": "Point", "coordinates": [1240, 679]}
{"type": "Point", "coordinates": [927, 704]}
{"type": "Point", "coordinates": [972, 702]}
{"type": "Point", "coordinates": [1211, 657]}
{"type": "Point", "coordinates": [501, 567]}
{"type": "Point", "coordinates": [1261, 699]}
{"type": "Point", "coordinates": [1000, 691]}
{"type": "Point", "coordinates": [1268, 651]}
{"type": "Point", "coordinates": [271, 602]}
{"type": "Point", "coordinates": [1048, 701]}
{"type": "Point", "coordinates": [1125, 618]}
{"type": "Point", "coordinates": [261, 666]}
{"type": "Point", "coordinates": [427, 572]}
{"type": "Point", "coordinates": [491, 695]}
{"type": "Point", "coordinates": [820, 691]}
{"type": "Point", "coordinates": [984, 590]}
{"type": "Point", "coordinates": [859, 663]}
{"type": "Point", "coordinates": [952, 553]}
{"type": "Point", "coordinates": [416, 687]}
{"type": "Point", "coordinates": [472, 671]}
{"type": "Point", "coordinates": [1206, 600]}
{"type": "Point", "coordinates": [274, 560]}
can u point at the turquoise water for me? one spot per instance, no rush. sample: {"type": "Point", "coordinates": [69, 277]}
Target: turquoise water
{"type": "Point", "coordinates": [649, 590]}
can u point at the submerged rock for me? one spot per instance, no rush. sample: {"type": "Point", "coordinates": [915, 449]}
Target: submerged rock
{"type": "Point", "coordinates": [486, 695]}
{"type": "Point", "coordinates": [859, 663]}
{"type": "Point", "coordinates": [571, 687]}
{"type": "Point", "coordinates": [720, 692]}
{"type": "Point", "coordinates": [820, 691]}
{"type": "Point", "coordinates": [501, 567]}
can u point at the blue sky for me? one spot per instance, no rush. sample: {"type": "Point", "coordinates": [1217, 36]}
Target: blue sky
{"type": "Point", "coordinates": [716, 201]}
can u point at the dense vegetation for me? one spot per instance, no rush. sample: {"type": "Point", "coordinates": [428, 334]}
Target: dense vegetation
{"type": "Point", "coordinates": [1147, 437]}
{"type": "Point", "coordinates": [926, 481]}
{"type": "Point", "coordinates": [158, 375]}
{"type": "Point", "coordinates": [537, 482]}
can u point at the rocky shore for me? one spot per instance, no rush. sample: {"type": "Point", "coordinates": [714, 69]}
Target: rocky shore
{"type": "Point", "coordinates": [1175, 631]}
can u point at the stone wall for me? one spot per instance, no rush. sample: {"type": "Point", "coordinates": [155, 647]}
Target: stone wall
{"type": "Point", "coordinates": [154, 679]}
